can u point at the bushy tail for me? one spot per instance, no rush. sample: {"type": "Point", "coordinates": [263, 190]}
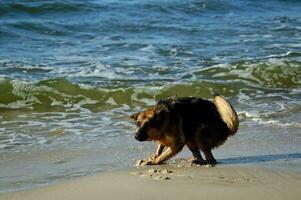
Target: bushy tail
{"type": "Point", "coordinates": [227, 113]}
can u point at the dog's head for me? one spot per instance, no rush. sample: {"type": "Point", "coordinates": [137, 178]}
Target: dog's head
{"type": "Point", "coordinates": [151, 123]}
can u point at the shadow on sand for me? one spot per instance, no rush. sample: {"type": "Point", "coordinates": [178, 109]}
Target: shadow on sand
{"type": "Point", "coordinates": [259, 159]}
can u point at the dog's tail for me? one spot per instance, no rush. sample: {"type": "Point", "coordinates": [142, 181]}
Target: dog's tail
{"type": "Point", "coordinates": [227, 113]}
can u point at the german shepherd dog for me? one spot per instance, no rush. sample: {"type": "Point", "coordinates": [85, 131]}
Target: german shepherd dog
{"type": "Point", "coordinates": [175, 122]}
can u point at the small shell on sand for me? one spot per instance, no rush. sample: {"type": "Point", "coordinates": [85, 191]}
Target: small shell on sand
{"type": "Point", "coordinates": [166, 171]}
{"type": "Point", "coordinates": [155, 174]}
{"type": "Point", "coordinates": [152, 171]}
{"type": "Point", "coordinates": [161, 178]}
{"type": "Point", "coordinates": [135, 173]}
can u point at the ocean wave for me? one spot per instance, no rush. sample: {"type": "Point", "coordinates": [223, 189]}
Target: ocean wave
{"type": "Point", "coordinates": [44, 95]}
{"type": "Point", "coordinates": [44, 7]}
{"type": "Point", "coordinates": [262, 119]}
{"type": "Point", "coordinates": [40, 28]}
{"type": "Point", "coordinates": [274, 72]}
{"type": "Point", "coordinates": [270, 73]}
{"type": "Point", "coordinates": [60, 94]}
{"type": "Point", "coordinates": [7, 66]}
{"type": "Point", "coordinates": [188, 7]}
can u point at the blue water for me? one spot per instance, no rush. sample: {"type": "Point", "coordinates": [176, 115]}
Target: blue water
{"type": "Point", "coordinates": [71, 72]}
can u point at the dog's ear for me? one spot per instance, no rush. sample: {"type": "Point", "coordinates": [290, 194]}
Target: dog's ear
{"type": "Point", "coordinates": [135, 116]}
{"type": "Point", "coordinates": [166, 105]}
{"type": "Point", "coordinates": [162, 109]}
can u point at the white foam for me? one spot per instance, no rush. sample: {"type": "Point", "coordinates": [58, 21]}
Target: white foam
{"type": "Point", "coordinates": [111, 101]}
{"type": "Point", "coordinates": [19, 104]}
{"type": "Point", "coordinates": [148, 48]}
{"type": "Point", "coordinates": [54, 102]}
{"type": "Point", "coordinates": [259, 119]}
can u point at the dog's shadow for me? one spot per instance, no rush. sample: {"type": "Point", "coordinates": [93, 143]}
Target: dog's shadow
{"type": "Point", "coordinates": [259, 158]}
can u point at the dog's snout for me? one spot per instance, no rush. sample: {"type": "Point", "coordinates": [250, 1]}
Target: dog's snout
{"type": "Point", "coordinates": [137, 137]}
{"type": "Point", "coordinates": [141, 135]}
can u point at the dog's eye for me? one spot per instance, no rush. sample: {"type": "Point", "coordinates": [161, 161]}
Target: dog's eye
{"type": "Point", "coordinates": [153, 123]}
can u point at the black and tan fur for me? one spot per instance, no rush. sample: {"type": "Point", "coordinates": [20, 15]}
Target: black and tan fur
{"type": "Point", "coordinates": [175, 122]}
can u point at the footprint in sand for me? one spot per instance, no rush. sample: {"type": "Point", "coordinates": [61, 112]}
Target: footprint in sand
{"type": "Point", "coordinates": [156, 174]}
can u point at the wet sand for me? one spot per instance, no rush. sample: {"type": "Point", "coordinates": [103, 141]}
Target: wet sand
{"type": "Point", "coordinates": [173, 181]}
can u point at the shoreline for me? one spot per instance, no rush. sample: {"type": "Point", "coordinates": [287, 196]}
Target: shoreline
{"type": "Point", "coordinates": [172, 182]}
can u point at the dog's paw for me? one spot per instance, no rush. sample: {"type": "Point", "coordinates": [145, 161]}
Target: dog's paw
{"type": "Point", "coordinates": [142, 162]}
{"type": "Point", "coordinates": [139, 162]}
{"type": "Point", "coordinates": [199, 162]}
{"type": "Point", "coordinates": [204, 163]}
{"type": "Point", "coordinates": [152, 156]}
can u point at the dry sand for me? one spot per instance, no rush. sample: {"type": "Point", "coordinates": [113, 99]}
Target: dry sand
{"type": "Point", "coordinates": [174, 181]}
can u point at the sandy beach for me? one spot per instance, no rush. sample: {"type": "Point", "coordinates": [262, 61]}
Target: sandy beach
{"type": "Point", "coordinates": [173, 182]}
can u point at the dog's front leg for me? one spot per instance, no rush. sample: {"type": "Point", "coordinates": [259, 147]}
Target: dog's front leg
{"type": "Point", "coordinates": [167, 154]}
{"type": "Point", "coordinates": [158, 152]}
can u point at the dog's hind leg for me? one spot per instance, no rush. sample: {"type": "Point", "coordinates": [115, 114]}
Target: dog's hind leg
{"type": "Point", "coordinates": [197, 157]}
{"type": "Point", "coordinates": [209, 157]}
